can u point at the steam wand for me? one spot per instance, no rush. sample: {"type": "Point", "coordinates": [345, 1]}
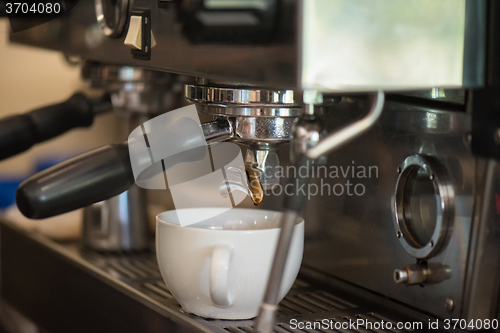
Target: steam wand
{"type": "Point", "coordinates": [295, 204]}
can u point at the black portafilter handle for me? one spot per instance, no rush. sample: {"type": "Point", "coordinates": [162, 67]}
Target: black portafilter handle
{"type": "Point", "coordinates": [78, 182]}
{"type": "Point", "coordinates": [19, 133]}
{"type": "Point", "coordinates": [107, 171]}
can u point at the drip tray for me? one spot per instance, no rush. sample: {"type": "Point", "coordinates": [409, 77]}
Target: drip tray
{"type": "Point", "coordinates": [64, 287]}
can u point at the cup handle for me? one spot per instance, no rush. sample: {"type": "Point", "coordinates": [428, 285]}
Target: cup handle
{"type": "Point", "coordinates": [219, 275]}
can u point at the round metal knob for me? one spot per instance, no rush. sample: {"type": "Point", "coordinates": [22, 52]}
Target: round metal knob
{"type": "Point", "coordinates": [111, 16]}
{"type": "Point", "coordinates": [400, 276]}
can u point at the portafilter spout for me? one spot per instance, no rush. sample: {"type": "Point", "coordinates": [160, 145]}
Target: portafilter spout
{"type": "Point", "coordinates": [261, 119]}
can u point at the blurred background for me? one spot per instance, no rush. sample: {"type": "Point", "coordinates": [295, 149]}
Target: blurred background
{"type": "Point", "coordinates": [31, 78]}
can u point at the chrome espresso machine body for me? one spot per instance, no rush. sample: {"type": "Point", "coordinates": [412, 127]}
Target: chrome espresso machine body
{"type": "Point", "coordinates": [409, 209]}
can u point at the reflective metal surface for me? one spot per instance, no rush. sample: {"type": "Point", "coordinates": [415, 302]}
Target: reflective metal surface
{"type": "Point", "coordinates": [255, 132]}
{"type": "Point", "coordinates": [266, 164]}
{"type": "Point", "coordinates": [252, 102]}
{"type": "Point", "coordinates": [218, 130]}
{"type": "Point", "coordinates": [440, 94]}
{"type": "Point", "coordinates": [111, 16]}
{"type": "Point", "coordinates": [423, 205]}
{"type": "Point", "coordinates": [135, 89]}
{"type": "Point", "coordinates": [258, 117]}
{"type": "Point", "coordinates": [105, 74]}
{"type": "Point", "coordinates": [119, 223]}
{"type": "Point", "coordinates": [256, 111]}
{"type": "Point", "coordinates": [261, 136]}
{"type": "Point", "coordinates": [262, 131]}
{"type": "Point", "coordinates": [329, 144]}
{"type": "Point", "coordinates": [249, 96]}
{"type": "Point", "coordinates": [352, 236]}
{"type": "Point", "coordinates": [266, 316]}
{"type": "Point", "coordinates": [418, 274]}
{"type": "Point", "coordinates": [308, 131]}
{"type": "Point", "coordinates": [341, 137]}
{"type": "Point", "coordinates": [483, 272]}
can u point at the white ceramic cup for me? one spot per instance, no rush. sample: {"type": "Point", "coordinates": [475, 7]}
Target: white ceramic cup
{"type": "Point", "coordinates": [219, 268]}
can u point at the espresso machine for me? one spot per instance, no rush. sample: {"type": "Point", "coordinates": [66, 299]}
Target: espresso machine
{"type": "Point", "coordinates": [391, 106]}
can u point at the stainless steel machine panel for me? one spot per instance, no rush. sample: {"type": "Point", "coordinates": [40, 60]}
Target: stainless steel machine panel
{"type": "Point", "coordinates": [78, 33]}
{"type": "Point", "coordinates": [353, 236]}
{"type": "Point", "coordinates": [327, 45]}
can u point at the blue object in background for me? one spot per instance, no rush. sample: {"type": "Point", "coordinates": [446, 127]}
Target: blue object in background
{"type": "Point", "coordinates": [9, 185]}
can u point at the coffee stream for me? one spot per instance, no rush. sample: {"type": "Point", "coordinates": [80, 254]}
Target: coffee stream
{"type": "Point", "coordinates": [254, 184]}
